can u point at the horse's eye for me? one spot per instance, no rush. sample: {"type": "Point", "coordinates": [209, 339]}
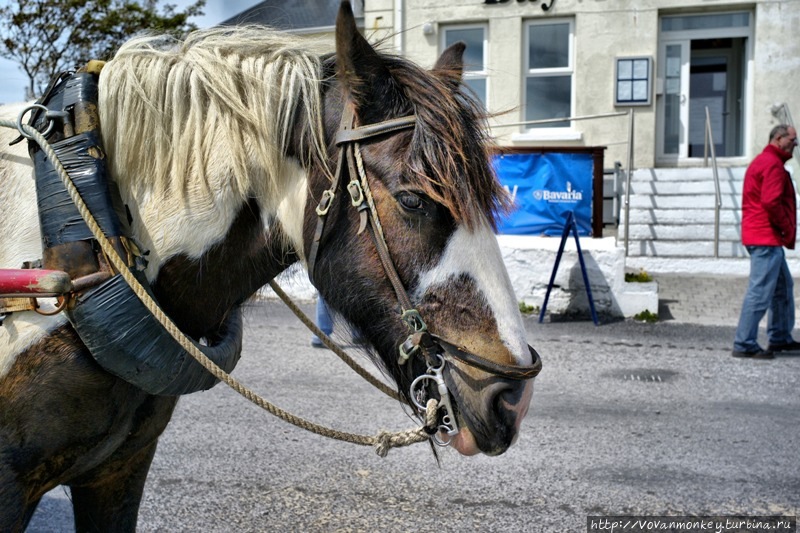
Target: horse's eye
{"type": "Point", "coordinates": [410, 201]}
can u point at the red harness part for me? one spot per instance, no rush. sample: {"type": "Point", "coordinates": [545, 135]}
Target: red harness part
{"type": "Point", "coordinates": [34, 283]}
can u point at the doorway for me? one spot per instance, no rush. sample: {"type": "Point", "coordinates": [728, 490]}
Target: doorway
{"type": "Point", "coordinates": [702, 65]}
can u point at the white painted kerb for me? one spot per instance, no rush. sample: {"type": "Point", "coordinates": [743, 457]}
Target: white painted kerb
{"type": "Point", "coordinates": [530, 261]}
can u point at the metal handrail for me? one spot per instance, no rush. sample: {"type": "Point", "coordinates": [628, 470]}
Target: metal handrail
{"type": "Point", "coordinates": [628, 174]}
{"type": "Point", "coordinates": [709, 142]}
{"type": "Point", "coordinates": [562, 119]}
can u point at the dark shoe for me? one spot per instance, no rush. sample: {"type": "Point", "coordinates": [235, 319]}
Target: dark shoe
{"type": "Point", "coordinates": [793, 346]}
{"type": "Point", "coordinates": [316, 343]}
{"type": "Point", "coordinates": [757, 354]}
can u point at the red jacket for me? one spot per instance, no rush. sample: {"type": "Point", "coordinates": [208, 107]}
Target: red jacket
{"type": "Point", "coordinates": [769, 211]}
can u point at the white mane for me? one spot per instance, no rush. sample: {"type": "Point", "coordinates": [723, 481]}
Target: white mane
{"type": "Point", "coordinates": [193, 129]}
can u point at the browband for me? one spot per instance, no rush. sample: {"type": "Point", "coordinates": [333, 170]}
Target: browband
{"type": "Point", "coordinates": [371, 130]}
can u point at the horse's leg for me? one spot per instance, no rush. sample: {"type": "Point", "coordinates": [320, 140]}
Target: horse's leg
{"type": "Point", "coordinates": [107, 498]}
{"type": "Point", "coordinates": [112, 502]}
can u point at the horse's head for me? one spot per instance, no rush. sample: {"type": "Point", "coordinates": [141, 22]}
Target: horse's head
{"type": "Point", "coordinates": [435, 196]}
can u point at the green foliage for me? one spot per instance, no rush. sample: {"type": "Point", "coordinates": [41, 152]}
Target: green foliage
{"type": "Point", "coordinates": [46, 37]}
{"type": "Point", "coordinates": [646, 316]}
{"type": "Point", "coordinates": [526, 309]}
{"type": "Point", "coordinates": [638, 277]}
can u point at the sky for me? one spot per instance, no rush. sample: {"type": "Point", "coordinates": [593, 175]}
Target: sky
{"type": "Point", "coordinates": [13, 81]}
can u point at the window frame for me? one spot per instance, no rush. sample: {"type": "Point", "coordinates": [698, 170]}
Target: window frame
{"type": "Point", "coordinates": [528, 73]}
{"type": "Point", "coordinates": [482, 74]}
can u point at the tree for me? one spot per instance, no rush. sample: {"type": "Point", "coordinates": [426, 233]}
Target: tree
{"type": "Point", "coordinates": [46, 37]}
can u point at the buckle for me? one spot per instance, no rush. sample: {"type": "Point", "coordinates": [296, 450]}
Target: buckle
{"type": "Point", "coordinates": [356, 193]}
{"type": "Point", "coordinates": [325, 202]}
{"type": "Point", "coordinates": [413, 319]}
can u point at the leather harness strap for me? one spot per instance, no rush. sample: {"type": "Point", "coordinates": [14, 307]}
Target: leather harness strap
{"type": "Point", "coordinates": [515, 372]}
{"type": "Point", "coordinates": [328, 195]}
{"type": "Point", "coordinates": [372, 130]}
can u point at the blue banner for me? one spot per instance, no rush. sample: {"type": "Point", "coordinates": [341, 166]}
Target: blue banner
{"type": "Point", "coordinates": [544, 188]}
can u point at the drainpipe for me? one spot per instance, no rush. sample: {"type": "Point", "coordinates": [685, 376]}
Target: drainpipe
{"type": "Point", "coordinates": [399, 26]}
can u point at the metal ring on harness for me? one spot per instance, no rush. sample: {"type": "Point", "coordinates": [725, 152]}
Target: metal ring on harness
{"type": "Point", "coordinates": [47, 113]}
{"type": "Point", "coordinates": [434, 373]}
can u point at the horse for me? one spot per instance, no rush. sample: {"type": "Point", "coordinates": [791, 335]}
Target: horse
{"type": "Point", "coordinates": [225, 147]}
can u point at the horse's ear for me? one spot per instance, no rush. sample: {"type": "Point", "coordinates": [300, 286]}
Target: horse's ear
{"type": "Point", "coordinates": [360, 70]}
{"type": "Point", "coordinates": [450, 65]}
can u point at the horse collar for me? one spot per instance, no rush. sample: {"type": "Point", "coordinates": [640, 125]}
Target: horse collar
{"type": "Point", "coordinates": [119, 331]}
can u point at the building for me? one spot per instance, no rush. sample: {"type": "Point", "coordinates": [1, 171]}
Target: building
{"type": "Point", "coordinates": [666, 60]}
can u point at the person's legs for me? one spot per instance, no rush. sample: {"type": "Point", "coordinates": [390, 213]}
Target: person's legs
{"type": "Point", "coordinates": [780, 321]}
{"type": "Point", "coordinates": [764, 268]}
{"type": "Point", "coordinates": [324, 321]}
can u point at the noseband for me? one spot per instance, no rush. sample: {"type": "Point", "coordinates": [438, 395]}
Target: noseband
{"type": "Point", "coordinates": [435, 350]}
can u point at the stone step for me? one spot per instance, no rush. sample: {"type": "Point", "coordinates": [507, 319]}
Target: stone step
{"type": "Point", "coordinates": [650, 248]}
{"type": "Point", "coordinates": [680, 232]}
{"type": "Point", "coordinates": [679, 201]}
{"type": "Point", "coordinates": [682, 188]}
{"type": "Point", "coordinates": [692, 249]}
{"type": "Point", "coordinates": [700, 266]}
{"type": "Point", "coordinates": [679, 216]}
{"type": "Point", "coordinates": [688, 174]}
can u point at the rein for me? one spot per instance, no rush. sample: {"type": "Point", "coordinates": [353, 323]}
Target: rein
{"type": "Point", "coordinates": [436, 350]}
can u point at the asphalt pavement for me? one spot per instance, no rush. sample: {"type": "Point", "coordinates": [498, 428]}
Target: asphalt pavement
{"type": "Point", "coordinates": [627, 418]}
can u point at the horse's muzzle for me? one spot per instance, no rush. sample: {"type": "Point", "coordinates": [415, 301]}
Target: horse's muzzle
{"type": "Point", "coordinates": [490, 409]}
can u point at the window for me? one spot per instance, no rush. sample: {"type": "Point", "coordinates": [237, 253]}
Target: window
{"type": "Point", "coordinates": [548, 73]}
{"type": "Point", "coordinates": [706, 22]}
{"type": "Point", "coordinates": [475, 73]}
{"type": "Point", "coordinates": [633, 81]}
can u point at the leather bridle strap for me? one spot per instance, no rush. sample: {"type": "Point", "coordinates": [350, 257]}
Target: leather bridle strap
{"type": "Point", "coordinates": [372, 130]}
{"type": "Point", "coordinates": [328, 195]}
{"type": "Point", "coordinates": [515, 372]}
{"type": "Point", "coordinates": [356, 167]}
{"type": "Point", "coordinates": [421, 337]}
{"type": "Point", "coordinates": [347, 135]}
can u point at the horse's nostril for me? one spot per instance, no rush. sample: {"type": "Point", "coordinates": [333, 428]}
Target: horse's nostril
{"type": "Point", "coordinates": [505, 398]}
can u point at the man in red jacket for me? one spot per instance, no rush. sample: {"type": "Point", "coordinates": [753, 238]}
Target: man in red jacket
{"type": "Point", "coordinates": [769, 222]}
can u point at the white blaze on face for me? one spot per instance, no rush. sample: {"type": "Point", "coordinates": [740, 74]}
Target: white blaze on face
{"type": "Point", "coordinates": [477, 255]}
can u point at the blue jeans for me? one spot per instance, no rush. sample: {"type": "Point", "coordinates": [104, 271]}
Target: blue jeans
{"type": "Point", "coordinates": [771, 289]}
{"type": "Point", "coordinates": [324, 320]}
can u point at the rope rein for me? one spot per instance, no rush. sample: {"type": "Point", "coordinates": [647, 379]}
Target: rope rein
{"type": "Point", "coordinates": [327, 341]}
{"type": "Point", "coordinates": [381, 442]}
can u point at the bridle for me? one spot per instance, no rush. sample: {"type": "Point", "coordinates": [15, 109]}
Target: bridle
{"type": "Point", "coordinates": [435, 350]}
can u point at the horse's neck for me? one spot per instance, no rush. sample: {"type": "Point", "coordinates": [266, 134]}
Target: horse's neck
{"type": "Point", "coordinates": [210, 250]}
{"type": "Point", "coordinates": [209, 245]}
{"type": "Point", "coordinates": [198, 293]}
